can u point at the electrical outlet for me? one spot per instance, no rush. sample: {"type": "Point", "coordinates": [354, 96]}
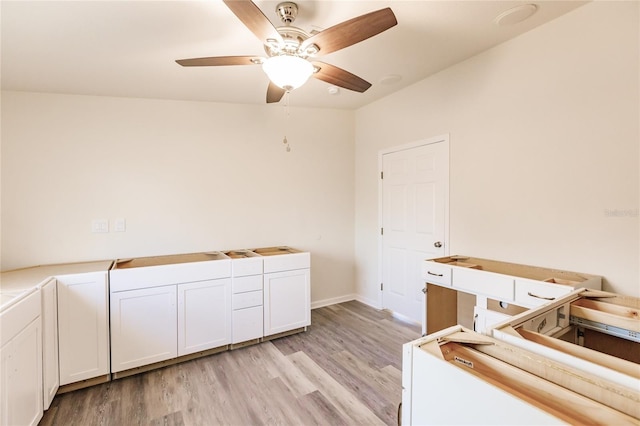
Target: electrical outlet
{"type": "Point", "coordinates": [99, 226]}
{"type": "Point", "coordinates": [119, 225]}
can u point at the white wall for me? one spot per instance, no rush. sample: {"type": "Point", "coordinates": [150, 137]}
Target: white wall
{"type": "Point", "coordinates": [544, 137]}
{"type": "Point", "coordinates": [186, 176]}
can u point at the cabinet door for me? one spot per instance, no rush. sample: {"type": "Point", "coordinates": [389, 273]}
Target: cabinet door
{"type": "Point", "coordinates": [485, 319]}
{"type": "Point", "coordinates": [287, 301]}
{"type": "Point", "coordinates": [247, 324]}
{"type": "Point", "coordinates": [83, 327]}
{"type": "Point", "coordinates": [21, 379]}
{"type": "Point", "coordinates": [143, 327]}
{"type": "Point", "coordinates": [204, 315]}
{"type": "Point", "coordinates": [51, 379]}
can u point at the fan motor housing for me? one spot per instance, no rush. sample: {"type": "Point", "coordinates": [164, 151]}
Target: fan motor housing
{"type": "Point", "coordinates": [287, 11]}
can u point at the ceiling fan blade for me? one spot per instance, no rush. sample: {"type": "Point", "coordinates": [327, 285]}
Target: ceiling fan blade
{"type": "Point", "coordinates": [352, 31]}
{"type": "Point", "coordinates": [253, 18]}
{"type": "Point", "coordinates": [339, 77]}
{"type": "Point", "coordinates": [274, 93]}
{"type": "Point", "coordinates": [220, 60]}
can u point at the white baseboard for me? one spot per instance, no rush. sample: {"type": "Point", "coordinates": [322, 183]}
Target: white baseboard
{"type": "Point", "coordinates": [332, 301]}
{"type": "Point", "coordinates": [371, 302]}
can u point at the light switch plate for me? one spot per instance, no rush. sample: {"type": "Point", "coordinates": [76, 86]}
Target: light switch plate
{"type": "Point", "coordinates": [119, 225]}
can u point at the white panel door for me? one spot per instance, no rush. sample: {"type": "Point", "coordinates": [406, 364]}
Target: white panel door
{"type": "Point", "coordinates": [204, 315]}
{"type": "Point", "coordinates": [415, 185]}
{"type": "Point", "coordinates": [287, 301]}
{"type": "Point", "coordinates": [144, 327]}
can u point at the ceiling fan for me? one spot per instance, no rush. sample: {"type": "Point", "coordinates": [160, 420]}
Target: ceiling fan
{"type": "Point", "coordinates": [291, 51]}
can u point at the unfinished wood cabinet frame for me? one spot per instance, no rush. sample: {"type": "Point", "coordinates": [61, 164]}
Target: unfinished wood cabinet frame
{"type": "Point", "coordinates": [557, 389]}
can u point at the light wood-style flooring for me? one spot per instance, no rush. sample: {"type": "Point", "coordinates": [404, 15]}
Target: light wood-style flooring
{"type": "Point", "coordinates": [344, 370]}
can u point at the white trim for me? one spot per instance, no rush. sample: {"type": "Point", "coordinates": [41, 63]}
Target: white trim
{"type": "Point", "coordinates": [368, 302]}
{"type": "Point", "coordinates": [403, 318]}
{"type": "Point", "coordinates": [436, 139]}
{"type": "Point", "coordinates": [333, 301]}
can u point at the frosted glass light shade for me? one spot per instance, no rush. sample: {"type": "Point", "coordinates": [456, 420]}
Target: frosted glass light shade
{"type": "Point", "coordinates": [287, 72]}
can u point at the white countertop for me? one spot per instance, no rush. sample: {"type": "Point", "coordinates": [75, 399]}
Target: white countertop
{"type": "Point", "coordinates": [18, 283]}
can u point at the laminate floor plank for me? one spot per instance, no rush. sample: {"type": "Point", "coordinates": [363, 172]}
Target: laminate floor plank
{"type": "Point", "coordinates": [344, 370]}
{"type": "Point", "coordinates": [346, 402]}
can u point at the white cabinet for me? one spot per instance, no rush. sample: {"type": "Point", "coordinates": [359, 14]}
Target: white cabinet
{"type": "Point", "coordinates": [83, 326]}
{"type": "Point", "coordinates": [165, 307]}
{"type": "Point", "coordinates": [572, 361]}
{"type": "Point", "coordinates": [247, 299]}
{"type": "Point", "coordinates": [286, 301]}
{"type": "Point", "coordinates": [484, 319]}
{"type": "Point", "coordinates": [287, 289]}
{"type": "Point", "coordinates": [21, 362]}
{"type": "Point", "coordinates": [204, 315]}
{"type": "Point", "coordinates": [50, 370]}
{"type": "Point", "coordinates": [491, 280]}
{"type": "Point", "coordinates": [143, 327]}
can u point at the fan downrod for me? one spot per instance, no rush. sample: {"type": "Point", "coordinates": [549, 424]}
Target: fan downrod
{"type": "Point", "coordinates": [287, 12]}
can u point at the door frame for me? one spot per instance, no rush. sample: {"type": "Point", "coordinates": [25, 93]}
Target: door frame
{"type": "Point", "coordinates": [429, 141]}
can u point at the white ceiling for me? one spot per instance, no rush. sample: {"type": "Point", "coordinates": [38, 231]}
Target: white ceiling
{"type": "Point", "coordinates": [128, 48]}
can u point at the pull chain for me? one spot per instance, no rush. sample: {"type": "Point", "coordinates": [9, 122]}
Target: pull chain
{"type": "Point", "coordinates": [286, 117]}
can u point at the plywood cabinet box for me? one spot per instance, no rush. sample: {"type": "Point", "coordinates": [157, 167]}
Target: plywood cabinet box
{"type": "Point", "coordinates": [496, 285]}
{"type": "Point", "coordinates": [574, 360]}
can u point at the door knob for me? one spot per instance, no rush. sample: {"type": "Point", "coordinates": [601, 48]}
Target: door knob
{"type": "Point", "coordinates": [437, 244]}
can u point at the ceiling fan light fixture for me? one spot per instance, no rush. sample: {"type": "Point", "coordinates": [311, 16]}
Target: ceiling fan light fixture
{"type": "Point", "coordinates": [287, 71]}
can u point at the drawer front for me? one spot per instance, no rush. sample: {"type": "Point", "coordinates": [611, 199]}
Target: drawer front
{"type": "Point", "coordinates": [247, 324]}
{"type": "Point", "coordinates": [531, 293]}
{"type": "Point", "coordinates": [286, 262]}
{"type": "Point", "coordinates": [435, 273]}
{"type": "Point", "coordinates": [244, 284]}
{"type": "Point", "coordinates": [246, 266]}
{"type": "Point", "coordinates": [21, 313]}
{"type": "Point", "coordinates": [156, 276]}
{"type": "Point", "coordinates": [476, 281]}
{"type": "Point", "coordinates": [247, 300]}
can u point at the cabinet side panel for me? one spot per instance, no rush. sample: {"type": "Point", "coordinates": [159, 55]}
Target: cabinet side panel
{"type": "Point", "coordinates": [83, 329]}
{"type": "Point", "coordinates": [438, 389]}
{"type": "Point", "coordinates": [51, 378]}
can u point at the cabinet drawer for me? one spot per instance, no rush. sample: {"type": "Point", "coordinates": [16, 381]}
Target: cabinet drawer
{"type": "Point", "coordinates": [286, 262]}
{"type": "Point", "coordinates": [247, 300]}
{"type": "Point", "coordinates": [244, 284]}
{"type": "Point", "coordinates": [531, 293]}
{"type": "Point", "coordinates": [476, 281]}
{"type": "Point", "coordinates": [435, 273]}
{"type": "Point", "coordinates": [246, 266]}
{"type": "Point", "coordinates": [247, 324]}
